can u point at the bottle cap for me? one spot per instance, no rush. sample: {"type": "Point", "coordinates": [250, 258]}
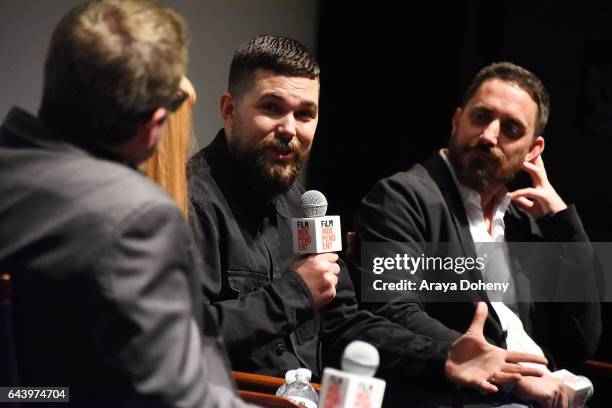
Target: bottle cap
{"type": "Point", "coordinates": [290, 376]}
{"type": "Point", "coordinates": [303, 373]}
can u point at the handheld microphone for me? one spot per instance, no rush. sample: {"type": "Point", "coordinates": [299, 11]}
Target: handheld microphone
{"type": "Point", "coordinates": [355, 386]}
{"type": "Point", "coordinates": [579, 388]}
{"type": "Point", "coordinates": [315, 233]}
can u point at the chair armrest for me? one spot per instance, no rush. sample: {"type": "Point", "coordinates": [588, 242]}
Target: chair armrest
{"type": "Point", "coordinates": [261, 383]}
{"type": "Point", "coordinates": [266, 400]}
{"type": "Point", "coordinates": [600, 367]}
{"type": "Point", "coordinates": [257, 382]}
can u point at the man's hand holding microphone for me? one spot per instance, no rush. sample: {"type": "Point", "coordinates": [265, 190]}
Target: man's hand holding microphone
{"type": "Point", "coordinates": [320, 273]}
{"type": "Point", "coordinates": [316, 238]}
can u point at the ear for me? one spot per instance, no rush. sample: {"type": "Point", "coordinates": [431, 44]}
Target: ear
{"type": "Point", "coordinates": [456, 118]}
{"type": "Point", "coordinates": [227, 108]}
{"type": "Point", "coordinates": [151, 131]}
{"type": "Point", "coordinates": [536, 149]}
{"type": "Point", "coordinates": [144, 141]}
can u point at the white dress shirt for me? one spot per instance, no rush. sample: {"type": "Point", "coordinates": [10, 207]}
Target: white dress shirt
{"type": "Point", "coordinates": [518, 339]}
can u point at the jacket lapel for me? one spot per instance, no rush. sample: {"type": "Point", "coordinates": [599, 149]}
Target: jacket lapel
{"type": "Point", "coordinates": [439, 172]}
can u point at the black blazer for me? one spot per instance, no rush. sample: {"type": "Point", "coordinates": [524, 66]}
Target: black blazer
{"type": "Point", "coordinates": [423, 206]}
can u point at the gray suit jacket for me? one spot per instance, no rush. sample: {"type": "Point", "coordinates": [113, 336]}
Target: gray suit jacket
{"type": "Point", "coordinates": [102, 267]}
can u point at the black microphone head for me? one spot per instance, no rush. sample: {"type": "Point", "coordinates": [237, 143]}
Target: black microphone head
{"type": "Point", "coordinates": [314, 204]}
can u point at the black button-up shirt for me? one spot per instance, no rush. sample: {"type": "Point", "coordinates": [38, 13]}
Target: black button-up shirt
{"type": "Point", "coordinates": [265, 311]}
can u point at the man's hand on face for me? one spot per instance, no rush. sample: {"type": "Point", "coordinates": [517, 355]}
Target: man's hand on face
{"type": "Point", "coordinates": [547, 391]}
{"type": "Point", "coordinates": [473, 362]}
{"type": "Point", "coordinates": [541, 199]}
{"type": "Point", "coordinates": [320, 273]}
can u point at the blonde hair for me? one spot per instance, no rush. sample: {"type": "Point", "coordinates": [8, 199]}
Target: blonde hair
{"type": "Point", "coordinates": [168, 165]}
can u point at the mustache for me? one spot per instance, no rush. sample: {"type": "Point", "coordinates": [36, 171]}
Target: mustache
{"type": "Point", "coordinates": [477, 145]}
{"type": "Point", "coordinates": [283, 146]}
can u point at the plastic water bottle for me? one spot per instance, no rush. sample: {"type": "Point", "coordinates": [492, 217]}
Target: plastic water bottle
{"type": "Point", "coordinates": [289, 378]}
{"type": "Point", "coordinates": [300, 391]}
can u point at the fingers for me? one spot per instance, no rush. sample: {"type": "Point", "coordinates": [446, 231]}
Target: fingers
{"type": "Point", "coordinates": [561, 399]}
{"type": "Point", "coordinates": [321, 262]}
{"type": "Point", "coordinates": [328, 295]}
{"type": "Point", "coordinates": [564, 399]}
{"type": "Point", "coordinates": [487, 388]}
{"type": "Point", "coordinates": [521, 370]}
{"type": "Point", "coordinates": [329, 257]}
{"type": "Point", "coordinates": [523, 202]}
{"type": "Point", "coordinates": [327, 263]}
{"type": "Point", "coordinates": [332, 278]}
{"type": "Point", "coordinates": [501, 377]}
{"type": "Point", "coordinates": [529, 192]}
{"type": "Point", "coordinates": [527, 198]}
{"type": "Point", "coordinates": [521, 357]}
{"type": "Point", "coordinates": [537, 173]}
{"type": "Point", "coordinates": [539, 161]}
{"type": "Point", "coordinates": [480, 316]}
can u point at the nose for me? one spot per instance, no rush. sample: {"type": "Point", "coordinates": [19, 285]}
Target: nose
{"type": "Point", "coordinates": [286, 127]}
{"type": "Point", "coordinates": [491, 133]}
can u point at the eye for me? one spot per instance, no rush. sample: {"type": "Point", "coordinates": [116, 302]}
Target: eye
{"type": "Point", "coordinates": [271, 107]}
{"type": "Point", "coordinates": [512, 129]}
{"type": "Point", "coordinates": [305, 115]}
{"type": "Point", "coordinates": [481, 117]}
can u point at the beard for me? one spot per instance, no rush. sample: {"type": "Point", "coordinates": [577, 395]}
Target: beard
{"type": "Point", "coordinates": [482, 167]}
{"type": "Point", "coordinates": [269, 178]}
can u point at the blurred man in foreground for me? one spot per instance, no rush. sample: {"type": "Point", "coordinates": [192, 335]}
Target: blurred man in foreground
{"type": "Point", "coordinates": [100, 256]}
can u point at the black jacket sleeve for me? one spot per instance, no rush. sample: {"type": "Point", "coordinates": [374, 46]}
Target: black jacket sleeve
{"type": "Point", "coordinates": [569, 324]}
{"type": "Point", "coordinates": [402, 352]}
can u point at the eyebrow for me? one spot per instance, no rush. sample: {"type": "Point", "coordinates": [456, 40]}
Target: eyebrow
{"type": "Point", "coordinates": [303, 102]}
{"type": "Point", "coordinates": [481, 108]}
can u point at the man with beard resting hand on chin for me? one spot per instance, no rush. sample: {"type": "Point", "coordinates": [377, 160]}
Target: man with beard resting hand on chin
{"type": "Point", "coordinates": [457, 204]}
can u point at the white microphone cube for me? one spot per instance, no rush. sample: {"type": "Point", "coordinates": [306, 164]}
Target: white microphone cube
{"type": "Point", "coordinates": [579, 389]}
{"type": "Point", "coordinates": [316, 235]}
{"type": "Point", "coordinates": [340, 389]}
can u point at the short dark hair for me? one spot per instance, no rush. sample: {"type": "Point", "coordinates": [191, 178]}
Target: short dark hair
{"type": "Point", "coordinates": [281, 55]}
{"type": "Point", "coordinates": [526, 80]}
{"type": "Point", "coordinates": [110, 64]}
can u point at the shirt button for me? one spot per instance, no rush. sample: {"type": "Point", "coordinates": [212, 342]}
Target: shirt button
{"type": "Point", "coordinates": [279, 349]}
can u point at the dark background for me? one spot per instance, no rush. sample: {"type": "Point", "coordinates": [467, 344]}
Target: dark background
{"type": "Point", "coordinates": [393, 73]}
{"type": "Point", "coordinates": [391, 79]}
